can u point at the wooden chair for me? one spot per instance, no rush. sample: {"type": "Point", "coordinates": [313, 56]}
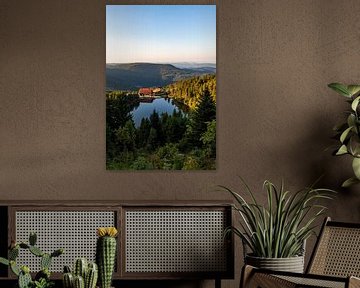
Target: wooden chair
{"type": "Point", "coordinates": [334, 263]}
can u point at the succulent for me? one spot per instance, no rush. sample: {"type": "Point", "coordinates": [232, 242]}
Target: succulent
{"type": "Point", "coordinates": [106, 254]}
{"type": "Point", "coordinates": [42, 278]}
{"type": "Point", "coordinates": [85, 275]}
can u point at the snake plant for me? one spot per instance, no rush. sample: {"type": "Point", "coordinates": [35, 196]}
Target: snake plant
{"type": "Point", "coordinates": [279, 228]}
{"type": "Point", "coordinates": [348, 132]}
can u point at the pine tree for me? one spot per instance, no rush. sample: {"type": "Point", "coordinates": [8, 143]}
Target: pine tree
{"type": "Point", "coordinates": [204, 112]}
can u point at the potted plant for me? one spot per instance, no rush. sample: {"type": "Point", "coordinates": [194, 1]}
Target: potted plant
{"type": "Point", "coordinates": [348, 132]}
{"type": "Point", "coordinates": [276, 233]}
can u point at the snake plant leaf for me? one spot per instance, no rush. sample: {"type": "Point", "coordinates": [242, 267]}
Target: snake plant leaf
{"type": "Point", "coordinates": [342, 150]}
{"type": "Point", "coordinates": [356, 167]}
{"type": "Point", "coordinates": [340, 88]}
{"type": "Point", "coordinates": [349, 182]}
{"type": "Point", "coordinates": [353, 89]}
{"type": "Point", "coordinates": [355, 103]}
{"type": "Point", "coordinates": [345, 134]}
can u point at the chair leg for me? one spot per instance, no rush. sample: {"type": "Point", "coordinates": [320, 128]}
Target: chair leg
{"type": "Point", "coordinates": [354, 282]}
{"type": "Point", "coordinates": [246, 273]}
{"type": "Point", "coordinates": [250, 278]}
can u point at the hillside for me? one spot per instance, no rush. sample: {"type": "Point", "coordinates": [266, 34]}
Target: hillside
{"type": "Point", "coordinates": [132, 76]}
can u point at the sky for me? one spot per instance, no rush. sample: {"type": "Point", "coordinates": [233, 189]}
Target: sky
{"type": "Point", "coordinates": [160, 33]}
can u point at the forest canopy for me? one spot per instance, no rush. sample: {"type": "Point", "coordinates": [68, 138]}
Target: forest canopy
{"type": "Point", "coordinates": [168, 141]}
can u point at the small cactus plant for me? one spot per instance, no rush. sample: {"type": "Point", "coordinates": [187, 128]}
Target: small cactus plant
{"type": "Point", "coordinates": [85, 275]}
{"type": "Point", "coordinates": [42, 278]}
{"type": "Point", "coordinates": [106, 254]}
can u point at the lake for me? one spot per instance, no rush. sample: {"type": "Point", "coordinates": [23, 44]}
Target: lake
{"type": "Point", "coordinates": [160, 105]}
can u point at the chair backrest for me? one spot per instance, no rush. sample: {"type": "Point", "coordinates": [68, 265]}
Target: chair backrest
{"type": "Point", "coordinates": [337, 251]}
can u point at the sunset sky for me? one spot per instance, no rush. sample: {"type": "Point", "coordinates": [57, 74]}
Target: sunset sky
{"type": "Point", "coordinates": [160, 33]}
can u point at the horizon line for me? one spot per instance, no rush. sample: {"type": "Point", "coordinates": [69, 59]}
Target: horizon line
{"type": "Point", "coordinates": [177, 62]}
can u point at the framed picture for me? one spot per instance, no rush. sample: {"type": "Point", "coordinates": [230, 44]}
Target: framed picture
{"type": "Point", "coordinates": [161, 87]}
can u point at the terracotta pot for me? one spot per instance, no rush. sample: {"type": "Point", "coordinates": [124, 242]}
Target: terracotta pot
{"type": "Point", "coordinates": [291, 264]}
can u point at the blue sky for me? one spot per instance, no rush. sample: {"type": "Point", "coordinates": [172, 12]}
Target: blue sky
{"type": "Point", "coordinates": [160, 33]}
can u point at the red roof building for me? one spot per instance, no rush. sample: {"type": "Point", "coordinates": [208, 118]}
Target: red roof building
{"type": "Point", "coordinates": [145, 92]}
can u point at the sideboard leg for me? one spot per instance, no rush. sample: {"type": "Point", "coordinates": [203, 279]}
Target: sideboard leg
{"type": "Point", "coordinates": [217, 283]}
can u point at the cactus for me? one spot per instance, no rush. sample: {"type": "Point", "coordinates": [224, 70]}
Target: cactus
{"type": "Point", "coordinates": [67, 269]}
{"type": "Point", "coordinates": [79, 282]}
{"type": "Point", "coordinates": [14, 268]}
{"type": "Point", "coordinates": [32, 238]}
{"type": "Point", "coordinates": [13, 253]}
{"type": "Point", "coordinates": [80, 268]}
{"type": "Point", "coordinates": [91, 276]}
{"type": "Point", "coordinates": [68, 280]}
{"type": "Point", "coordinates": [89, 272]}
{"type": "Point", "coordinates": [57, 252]}
{"type": "Point", "coordinates": [36, 251]}
{"type": "Point", "coordinates": [106, 254]}
{"type": "Point", "coordinates": [24, 278]}
{"type": "Point", "coordinates": [45, 261]}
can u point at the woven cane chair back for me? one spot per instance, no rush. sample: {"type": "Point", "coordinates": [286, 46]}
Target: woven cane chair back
{"type": "Point", "coordinates": [337, 252]}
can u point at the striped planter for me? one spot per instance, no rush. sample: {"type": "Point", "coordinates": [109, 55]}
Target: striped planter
{"type": "Point", "coordinates": [291, 264]}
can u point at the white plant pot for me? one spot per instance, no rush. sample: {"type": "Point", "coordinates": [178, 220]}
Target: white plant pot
{"type": "Point", "coordinates": [291, 264]}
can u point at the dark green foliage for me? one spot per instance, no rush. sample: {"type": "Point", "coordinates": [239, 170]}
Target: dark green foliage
{"type": "Point", "coordinates": [24, 246]}
{"type": "Point", "coordinates": [42, 283]}
{"type": "Point", "coordinates": [204, 113]}
{"type": "Point", "coordinates": [208, 138]}
{"type": "Point", "coordinates": [190, 91]}
{"type": "Point", "coordinates": [57, 253]}
{"type": "Point", "coordinates": [44, 273]}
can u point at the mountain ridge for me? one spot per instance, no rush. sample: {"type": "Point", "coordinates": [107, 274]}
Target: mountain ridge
{"type": "Point", "coordinates": [132, 76]}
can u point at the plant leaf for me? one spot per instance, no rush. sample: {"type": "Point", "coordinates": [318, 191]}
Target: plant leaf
{"type": "Point", "coordinates": [342, 150]}
{"type": "Point", "coordinates": [353, 89]}
{"type": "Point", "coordinates": [356, 167]}
{"type": "Point", "coordinates": [345, 134]}
{"type": "Point", "coordinates": [355, 103]}
{"type": "Point", "coordinates": [340, 88]}
{"type": "Point", "coordinates": [349, 182]}
{"type": "Point", "coordinates": [351, 120]}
